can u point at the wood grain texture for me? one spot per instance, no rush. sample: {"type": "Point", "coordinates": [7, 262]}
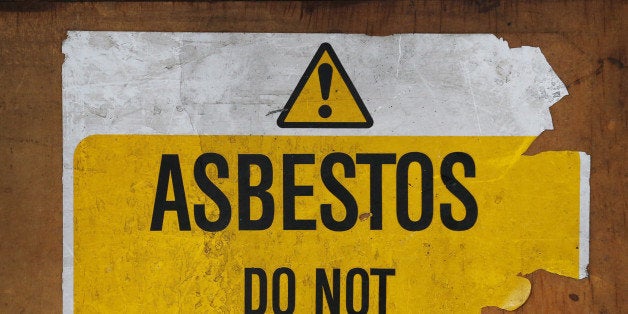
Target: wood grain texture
{"type": "Point", "coordinates": [584, 41]}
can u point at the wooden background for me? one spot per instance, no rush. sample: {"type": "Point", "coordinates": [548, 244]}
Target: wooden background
{"type": "Point", "coordinates": [584, 41]}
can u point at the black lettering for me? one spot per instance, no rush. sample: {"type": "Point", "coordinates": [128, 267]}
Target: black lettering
{"type": "Point", "coordinates": [322, 287]}
{"type": "Point", "coordinates": [291, 191]}
{"type": "Point", "coordinates": [382, 273]}
{"type": "Point", "coordinates": [427, 191]}
{"type": "Point", "coordinates": [336, 188]}
{"type": "Point", "coordinates": [248, 290]}
{"type": "Point", "coordinates": [457, 189]}
{"type": "Point", "coordinates": [276, 290]}
{"type": "Point", "coordinates": [211, 190]}
{"type": "Point", "coordinates": [170, 168]}
{"type": "Point", "coordinates": [364, 307]}
{"type": "Point", "coordinates": [246, 191]}
{"type": "Point", "coordinates": [376, 161]}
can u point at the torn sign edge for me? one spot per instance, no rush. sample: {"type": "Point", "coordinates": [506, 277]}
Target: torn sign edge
{"type": "Point", "coordinates": [80, 121]}
{"type": "Point", "coordinates": [585, 199]}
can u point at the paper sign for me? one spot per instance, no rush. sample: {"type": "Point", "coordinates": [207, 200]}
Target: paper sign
{"type": "Point", "coordinates": [199, 179]}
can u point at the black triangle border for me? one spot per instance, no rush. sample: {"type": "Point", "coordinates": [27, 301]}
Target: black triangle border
{"type": "Point", "coordinates": [297, 90]}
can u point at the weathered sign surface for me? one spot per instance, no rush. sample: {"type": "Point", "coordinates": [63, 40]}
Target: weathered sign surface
{"type": "Point", "coordinates": [312, 172]}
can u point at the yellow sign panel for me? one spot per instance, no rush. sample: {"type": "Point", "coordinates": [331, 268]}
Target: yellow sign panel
{"type": "Point", "coordinates": [232, 224]}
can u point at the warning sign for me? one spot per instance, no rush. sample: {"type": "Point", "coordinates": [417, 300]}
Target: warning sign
{"type": "Point", "coordinates": [311, 224]}
{"type": "Point", "coordinates": [325, 97]}
{"type": "Point", "coordinates": [183, 192]}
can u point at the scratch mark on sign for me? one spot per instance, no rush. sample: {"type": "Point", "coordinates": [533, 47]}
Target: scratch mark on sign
{"type": "Point", "coordinates": [475, 105]}
{"type": "Point", "coordinates": [276, 111]}
{"type": "Point", "coordinates": [398, 56]}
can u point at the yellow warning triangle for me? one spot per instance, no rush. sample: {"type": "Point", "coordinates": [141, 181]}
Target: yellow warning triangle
{"type": "Point", "coordinates": [325, 97]}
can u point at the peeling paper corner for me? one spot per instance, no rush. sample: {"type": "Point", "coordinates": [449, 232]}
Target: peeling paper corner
{"type": "Point", "coordinates": [517, 293]}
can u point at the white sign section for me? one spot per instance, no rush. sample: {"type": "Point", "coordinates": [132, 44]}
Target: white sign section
{"type": "Point", "coordinates": [232, 172]}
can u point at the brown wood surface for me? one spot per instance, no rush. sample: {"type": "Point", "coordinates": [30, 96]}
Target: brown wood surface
{"type": "Point", "coordinates": [584, 41]}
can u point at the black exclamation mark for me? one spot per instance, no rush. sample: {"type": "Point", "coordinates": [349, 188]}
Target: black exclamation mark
{"type": "Point", "coordinates": [324, 76]}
